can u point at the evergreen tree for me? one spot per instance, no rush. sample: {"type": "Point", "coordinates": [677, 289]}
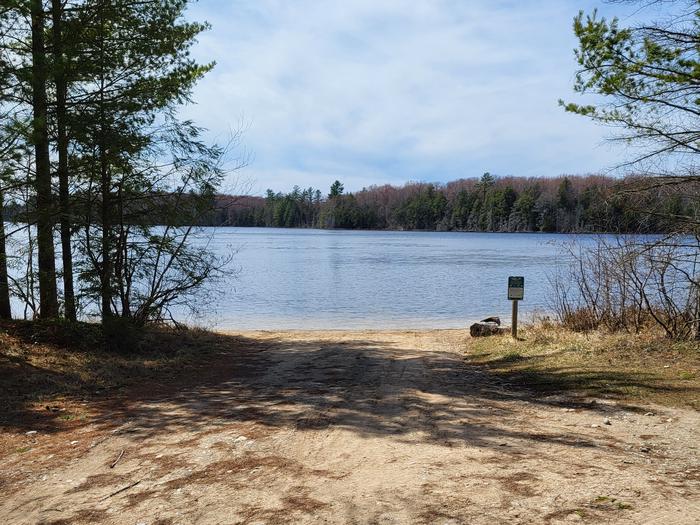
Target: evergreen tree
{"type": "Point", "coordinates": [48, 296]}
{"type": "Point", "coordinates": [125, 129]}
{"type": "Point", "coordinates": [60, 81]}
{"type": "Point", "coordinates": [646, 77]}
{"type": "Point", "coordinates": [337, 189]}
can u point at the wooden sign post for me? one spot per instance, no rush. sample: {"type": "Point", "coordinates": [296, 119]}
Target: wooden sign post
{"type": "Point", "coordinates": [516, 292]}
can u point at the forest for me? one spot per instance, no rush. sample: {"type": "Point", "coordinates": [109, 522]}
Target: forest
{"type": "Point", "coordinates": [571, 204]}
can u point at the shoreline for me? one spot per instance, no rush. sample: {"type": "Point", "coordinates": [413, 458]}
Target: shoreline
{"type": "Point", "coordinates": [317, 331]}
{"type": "Point", "coordinates": [387, 230]}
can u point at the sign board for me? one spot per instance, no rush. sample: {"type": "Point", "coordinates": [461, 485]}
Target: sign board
{"type": "Point", "coordinates": [516, 288]}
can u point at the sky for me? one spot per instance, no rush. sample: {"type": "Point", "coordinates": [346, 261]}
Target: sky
{"type": "Point", "coordinates": [391, 91]}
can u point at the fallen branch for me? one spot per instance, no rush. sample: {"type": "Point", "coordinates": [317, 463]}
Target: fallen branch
{"type": "Point", "coordinates": [117, 460]}
{"type": "Point", "coordinates": [121, 490]}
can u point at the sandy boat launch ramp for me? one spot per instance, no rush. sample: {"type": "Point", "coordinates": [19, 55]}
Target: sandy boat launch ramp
{"type": "Point", "coordinates": [357, 427]}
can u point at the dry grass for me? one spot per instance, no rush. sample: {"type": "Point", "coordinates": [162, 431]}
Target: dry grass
{"type": "Point", "coordinates": [43, 366]}
{"type": "Point", "coordinates": [551, 360]}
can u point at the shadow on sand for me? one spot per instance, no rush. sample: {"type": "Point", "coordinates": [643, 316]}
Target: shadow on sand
{"type": "Point", "coordinates": [363, 385]}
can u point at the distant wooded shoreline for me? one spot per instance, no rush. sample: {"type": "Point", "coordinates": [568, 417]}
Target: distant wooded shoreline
{"type": "Point", "coordinates": [566, 204]}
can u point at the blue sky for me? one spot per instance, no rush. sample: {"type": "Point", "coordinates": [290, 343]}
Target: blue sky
{"type": "Point", "coordinates": [389, 91]}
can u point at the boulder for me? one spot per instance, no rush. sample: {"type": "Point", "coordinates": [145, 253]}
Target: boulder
{"type": "Point", "coordinates": [493, 319]}
{"type": "Point", "coordinates": [483, 329]}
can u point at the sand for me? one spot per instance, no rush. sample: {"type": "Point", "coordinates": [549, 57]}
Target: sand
{"type": "Point", "coordinates": [359, 427]}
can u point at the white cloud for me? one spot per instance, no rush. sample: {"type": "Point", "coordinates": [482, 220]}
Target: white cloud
{"type": "Point", "coordinates": [388, 91]}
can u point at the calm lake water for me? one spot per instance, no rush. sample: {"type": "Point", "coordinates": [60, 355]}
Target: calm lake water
{"type": "Point", "coordinates": [321, 279]}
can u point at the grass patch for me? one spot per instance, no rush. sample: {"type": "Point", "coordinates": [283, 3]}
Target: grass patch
{"type": "Point", "coordinates": [609, 503]}
{"type": "Point", "coordinates": [632, 367]}
{"type": "Point", "coordinates": [512, 357]}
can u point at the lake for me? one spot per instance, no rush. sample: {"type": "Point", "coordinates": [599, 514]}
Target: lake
{"type": "Point", "coordinates": [331, 279]}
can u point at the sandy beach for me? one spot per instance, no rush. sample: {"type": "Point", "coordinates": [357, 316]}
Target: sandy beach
{"type": "Point", "coordinates": [355, 427]}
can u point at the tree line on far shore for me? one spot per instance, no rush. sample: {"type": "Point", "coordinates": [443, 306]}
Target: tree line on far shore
{"type": "Point", "coordinates": [567, 204]}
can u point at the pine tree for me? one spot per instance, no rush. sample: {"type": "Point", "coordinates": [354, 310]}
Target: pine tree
{"type": "Point", "coordinates": [138, 71]}
{"type": "Point", "coordinates": [42, 182]}
{"type": "Point", "coordinates": [59, 75]}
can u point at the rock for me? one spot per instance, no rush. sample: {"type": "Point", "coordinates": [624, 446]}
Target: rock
{"type": "Point", "coordinates": [644, 449]}
{"type": "Point", "coordinates": [595, 426]}
{"type": "Point", "coordinates": [606, 421]}
{"type": "Point", "coordinates": [649, 414]}
{"type": "Point", "coordinates": [485, 329]}
{"type": "Point", "coordinates": [31, 432]}
{"type": "Point", "coordinates": [493, 319]}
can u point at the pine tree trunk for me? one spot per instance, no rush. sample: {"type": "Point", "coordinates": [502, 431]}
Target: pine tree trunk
{"type": "Point", "coordinates": [62, 146]}
{"type": "Point", "coordinates": [105, 187]}
{"type": "Point", "coordinates": [105, 288]}
{"type": "Point", "coordinates": [5, 310]}
{"type": "Point", "coordinates": [48, 299]}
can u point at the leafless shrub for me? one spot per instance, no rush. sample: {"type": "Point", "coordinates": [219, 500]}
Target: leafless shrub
{"type": "Point", "coordinates": [629, 283]}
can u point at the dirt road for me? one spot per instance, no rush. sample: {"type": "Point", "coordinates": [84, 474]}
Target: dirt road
{"type": "Point", "coordinates": [359, 427]}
